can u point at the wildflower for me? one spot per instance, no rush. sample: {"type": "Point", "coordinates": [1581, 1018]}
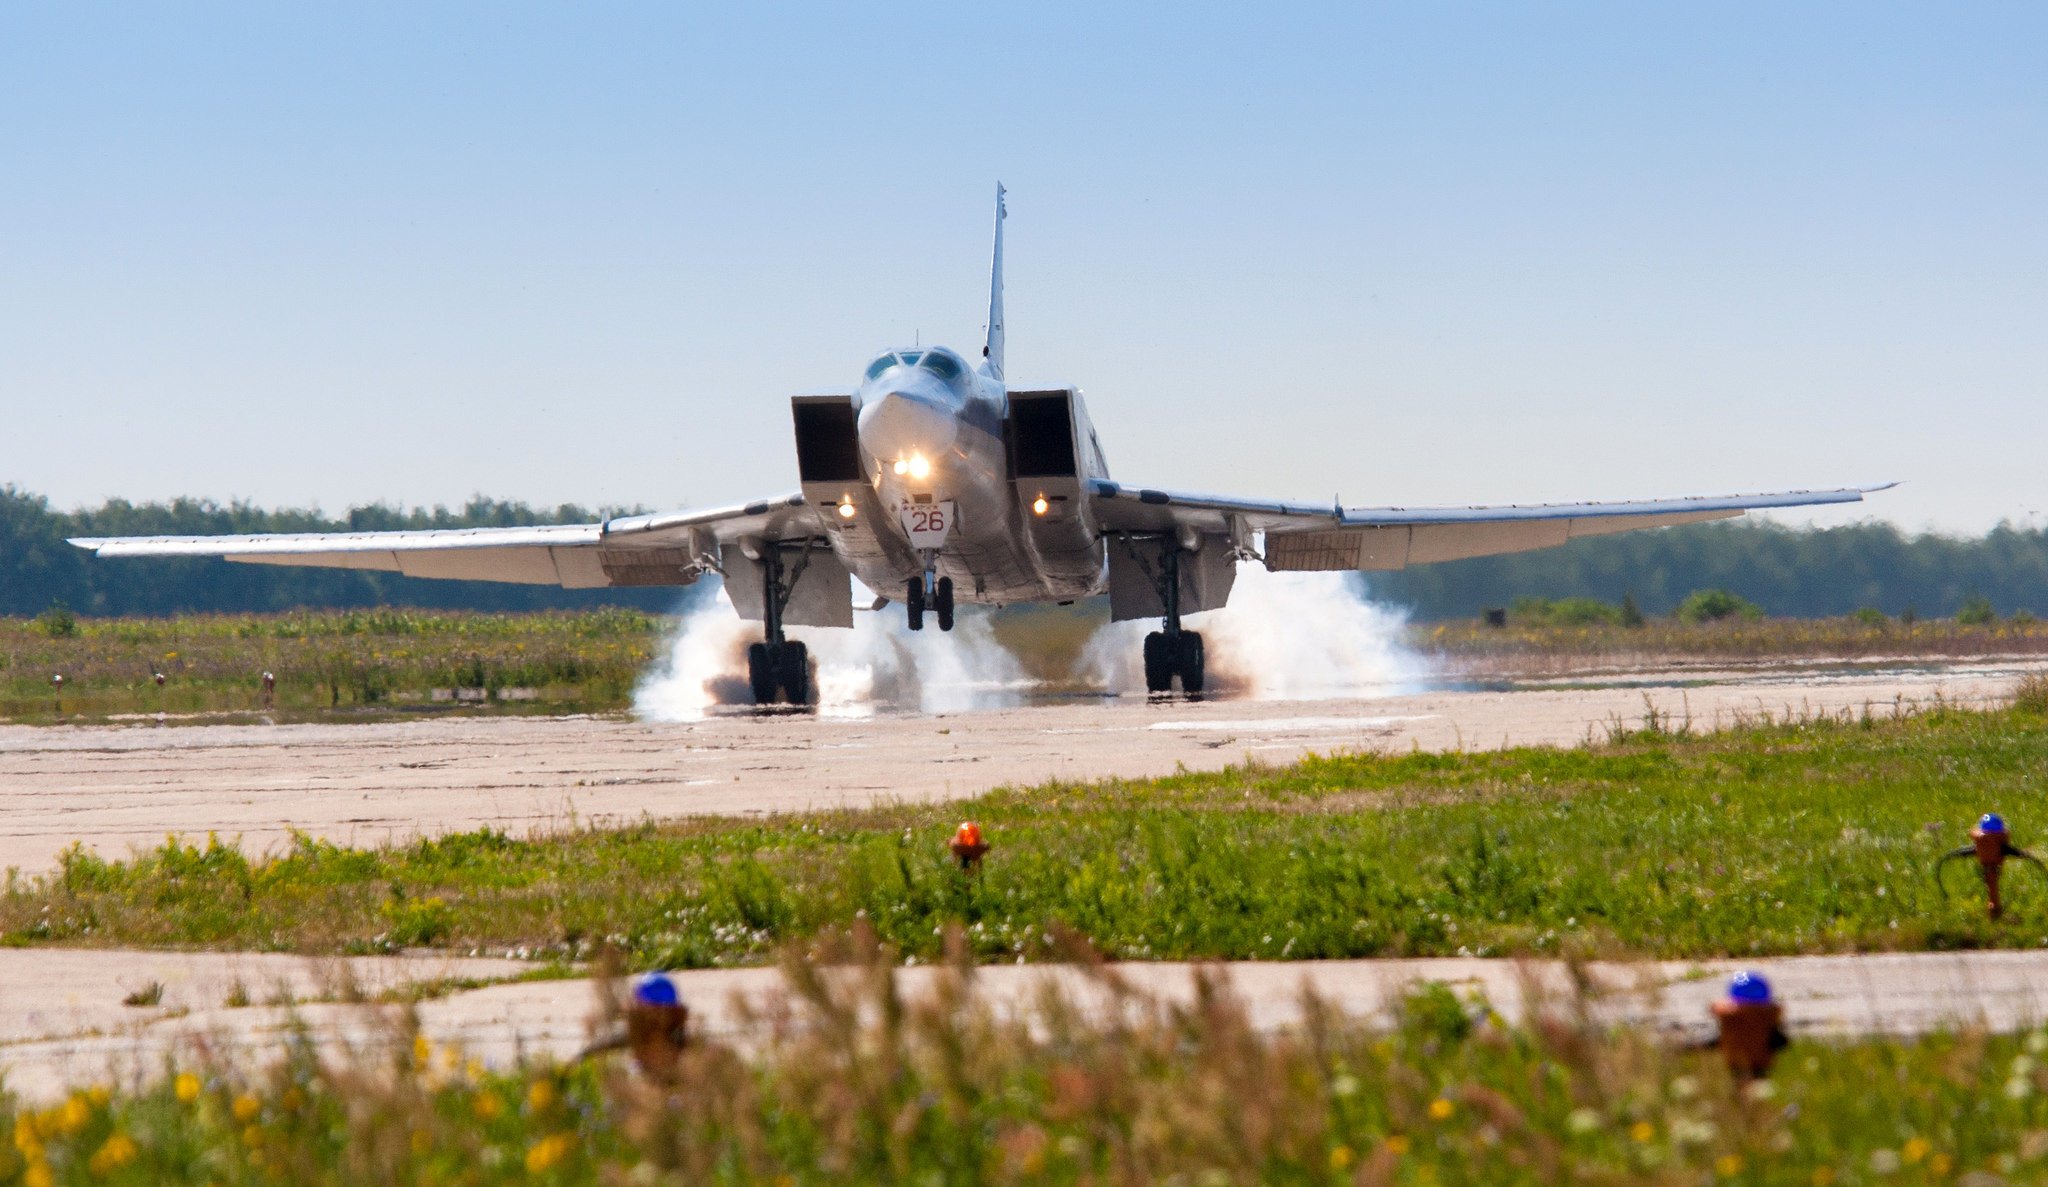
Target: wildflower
{"type": "Point", "coordinates": [1398, 1144]}
{"type": "Point", "coordinates": [1441, 1109]}
{"type": "Point", "coordinates": [99, 1094]}
{"type": "Point", "coordinates": [540, 1095]}
{"type": "Point", "coordinates": [246, 1107]}
{"type": "Point", "coordinates": [422, 1143]}
{"type": "Point", "coordinates": [2019, 1088]}
{"type": "Point", "coordinates": [1345, 1084]}
{"type": "Point", "coordinates": [1341, 1157]}
{"type": "Point", "coordinates": [73, 1115]}
{"type": "Point", "coordinates": [1728, 1165]}
{"type": "Point", "coordinates": [548, 1151]}
{"type": "Point", "coordinates": [187, 1087]}
{"type": "Point", "coordinates": [1915, 1150]}
{"type": "Point", "coordinates": [1642, 1131]}
{"type": "Point", "coordinates": [1582, 1120]}
{"type": "Point", "coordinates": [1823, 1175]}
{"type": "Point", "coordinates": [487, 1106]}
{"type": "Point", "coordinates": [118, 1152]}
{"type": "Point", "coordinates": [1884, 1161]}
{"type": "Point", "coordinates": [1939, 1165]}
{"type": "Point", "coordinates": [37, 1175]}
{"type": "Point", "coordinates": [252, 1137]}
{"type": "Point", "coordinates": [422, 1051]}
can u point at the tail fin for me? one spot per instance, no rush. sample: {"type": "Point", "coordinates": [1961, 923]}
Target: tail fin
{"type": "Point", "coordinates": [993, 352]}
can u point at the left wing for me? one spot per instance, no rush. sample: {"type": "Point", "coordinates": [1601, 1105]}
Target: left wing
{"type": "Point", "coordinates": [672, 548]}
{"type": "Point", "coordinates": [1303, 538]}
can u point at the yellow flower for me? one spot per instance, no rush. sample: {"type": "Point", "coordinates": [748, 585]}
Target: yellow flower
{"type": "Point", "coordinates": [1441, 1109]}
{"type": "Point", "coordinates": [548, 1151]}
{"type": "Point", "coordinates": [1915, 1150]}
{"type": "Point", "coordinates": [1728, 1165]}
{"type": "Point", "coordinates": [422, 1142]}
{"type": "Point", "coordinates": [246, 1107]}
{"type": "Point", "coordinates": [25, 1139]}
{"type": "Point", "coordinates": [422, 1050]}
{"type": "Point", "coordinates": [252, 1137]}
{"type": "Point", "coordinates": [1341, 1157]}
{"type": "Point", "coordinates": [187, 1087]}
{"type": "Point", "coordinates": [1642, 1131]}
{"type": "Point", "coordinates": [37, 1175]}
{"type": "Point", "coordinates": [73, 1116]}
{"type": "Point", "coordinates": [1398, 1143]}
{"type": "Point", "coordinates": [540, 1095]}
{"type": "Point", "coordinates": [118, 1152]}
{"type": "Point", "coordinates": [1823, 1175]}
{"type": "Point", "coordinates": [488, 1106]}
{"type": "Point", "coordinates": [1940, 1165]}
{"type": "Point", "coordinates": [99, 1094]}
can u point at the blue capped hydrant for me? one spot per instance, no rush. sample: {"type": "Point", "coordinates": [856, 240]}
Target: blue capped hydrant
{"type": "Point", "coordinates": [1752, 1026]}
{"type": "Point", "coordinates": [656, 1021]}
{"type": "Point", "coordinates": [1990, 843]}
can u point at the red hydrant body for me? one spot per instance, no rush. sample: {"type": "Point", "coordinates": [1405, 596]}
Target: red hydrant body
{"type": "Point", "coordinates": [968, 845]}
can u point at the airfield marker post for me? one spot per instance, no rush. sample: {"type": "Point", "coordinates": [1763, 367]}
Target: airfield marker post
{"type": "Point", "coordinates": [1751, 1024]}
{"type": "Point", "coordinates": [656, 1022]}
{"type": "Point", "coordinates": [969, 846]}
{"type": "Point", "coordinates": [57, 693]}
{"type": "Point", "coordinates": [1991, 844]}
{"type": "Point", "coordinates": [269, 690]}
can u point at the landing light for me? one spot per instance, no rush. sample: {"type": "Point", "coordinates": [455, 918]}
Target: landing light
{"type": "Point", "coordinates": [920, 469]}
{"type": "Point", "coordinates": [846, 509]}
{"type": "Point", "coordinates": [901, 467]}
{"type": "Point", "coordinates": [1039, 506]}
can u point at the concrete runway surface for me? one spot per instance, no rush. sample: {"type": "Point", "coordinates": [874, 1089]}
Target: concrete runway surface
{"type": "Point", "coordinates": [119, 787]}
{"type": "Point", "coordinates": [65, 1025]}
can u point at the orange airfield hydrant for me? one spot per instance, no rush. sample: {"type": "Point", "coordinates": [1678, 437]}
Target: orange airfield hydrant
{"type": "Point", "coordinates": [1752, 1026]}
{"type": "Point", "coordinates": [968, 846]}
{"type": "Point", "coordinates": [1990, 843]}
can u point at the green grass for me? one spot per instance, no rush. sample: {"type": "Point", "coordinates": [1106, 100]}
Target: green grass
{"type": "Point", "coordinates": [860, 1086]}
{"type": "Point", "coordinates": [1816, 835]}
{"type": "Point", "coordinates": [325, 662]}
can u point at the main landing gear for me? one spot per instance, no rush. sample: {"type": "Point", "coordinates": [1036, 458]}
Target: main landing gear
{"type": "Point", "coordinates": [928, 592]}
{"type": "Point", "coordinates": [1172, 652]}
{"type": "Point", "coordinates": [779, 667]}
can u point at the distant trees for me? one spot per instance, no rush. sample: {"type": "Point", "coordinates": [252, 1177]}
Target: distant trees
{"type": "Point", "coordinates": [1782, 571]}
{"type": "Point", "coordinates": [38, 570]}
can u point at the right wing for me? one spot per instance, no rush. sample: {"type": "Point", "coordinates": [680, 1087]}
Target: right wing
{"type": "Point", "coordinates": [671, 548]}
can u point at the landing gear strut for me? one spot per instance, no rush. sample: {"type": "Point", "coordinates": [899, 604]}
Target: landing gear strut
{"type": "Point", "coordinates": [779, 666]}
{"type": "Point", "coordinates": [929, 593]}
{"type": "Point", "coordinates": [1172, 652]}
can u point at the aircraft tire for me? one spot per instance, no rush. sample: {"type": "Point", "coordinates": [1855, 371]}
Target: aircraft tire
{"type": "Point", "coordinates": [913, 604]}
{"type": "Point", "coordinates": [1192, 665]}
{"type": "Point", "coordinates": [945, 604]}
{"type": "Point", "coordinates": [761, 674]}
{"type": "Point", "coordinates": [795, 674]}
{"type": "Point", "coordinates": [1158, 663]}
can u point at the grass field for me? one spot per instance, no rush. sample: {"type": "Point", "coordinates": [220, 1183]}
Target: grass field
{"type": "Point", "coordinates": [1815, 835]}
{"type": "Point", "coordinates": [855, 1086]}
{"type": "Point", "coordinates": [353, 664]}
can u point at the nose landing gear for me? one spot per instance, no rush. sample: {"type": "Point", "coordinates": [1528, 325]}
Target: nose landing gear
{"type": "Point", "coordinates": [1173, 652]}
{"type": "Point", "coordinates": [929, 593]}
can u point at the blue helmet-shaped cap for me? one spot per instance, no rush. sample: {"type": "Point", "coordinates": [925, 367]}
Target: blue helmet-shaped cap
{"type": "Point", "coordinates": [1750, 988]}
{"type": "Point", "coordinates": [655, 989]}
{"type": "Point", "coordinates": [1991, 822]}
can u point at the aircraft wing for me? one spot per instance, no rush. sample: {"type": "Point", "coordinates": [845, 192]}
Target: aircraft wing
{"type": "Point", "coordinates": [1303, 538]}
{"type": "Point", "coordinates": [670, 548]}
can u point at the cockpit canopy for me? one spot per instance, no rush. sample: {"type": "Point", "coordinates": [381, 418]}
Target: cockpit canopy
{"type": "Point", "coordinates": [938, 360]}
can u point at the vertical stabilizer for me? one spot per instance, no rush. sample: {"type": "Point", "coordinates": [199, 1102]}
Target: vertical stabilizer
{"type": "Point", "coordinates": [993, 352]}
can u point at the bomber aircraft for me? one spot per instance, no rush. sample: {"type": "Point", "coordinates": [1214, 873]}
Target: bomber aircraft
{"type": "Point", "coordinates": [937, 480]}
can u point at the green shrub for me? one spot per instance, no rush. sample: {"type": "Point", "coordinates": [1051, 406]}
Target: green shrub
{"type": "Point", "coordinates": [58, 622]}
{"type": "Point", "coordinates": [1976, 611]}
{"type": "Point", "coordinates": [1564, 612]}
{"type": "Point", "coordinates": [1713, 605]}
{"type": "Point", "coordinates": [1870, 616]}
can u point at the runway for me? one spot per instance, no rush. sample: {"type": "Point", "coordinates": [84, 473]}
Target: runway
{"type": "Point", "coordinates": [115, 788]}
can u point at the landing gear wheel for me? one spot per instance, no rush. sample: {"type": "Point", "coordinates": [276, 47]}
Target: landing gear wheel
{"type": "Point", "coordinates": [795, 674]}
{"type": "Point", "coordinates": [1159, 663]}
{"type": "Point", "coordinates": [762, 674]}
{"type": "Point", "coordinates": [945, 603]}
{"type": "Point", "coordinates": [913, 603]}
{"type": "Point", "coordinates": [1191, 663]}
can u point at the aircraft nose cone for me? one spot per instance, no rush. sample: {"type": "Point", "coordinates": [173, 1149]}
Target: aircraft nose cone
{"type": "Point", "coordinates": [899, 424]}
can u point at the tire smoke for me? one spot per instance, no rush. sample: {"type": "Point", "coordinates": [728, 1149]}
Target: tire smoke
{"type": "Point", "coordinates": [879, 665]}
{"type": "Point", "coordinates": [1283, 637]}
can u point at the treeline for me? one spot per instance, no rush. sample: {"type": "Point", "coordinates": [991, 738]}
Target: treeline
{"type": "Point", "coordinates": [1789, 572]}
{"type": "Point", "coordinates": [39, 570]}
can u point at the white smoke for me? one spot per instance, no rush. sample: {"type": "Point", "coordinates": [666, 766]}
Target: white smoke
{"type": "Point", "coordinates": [881, 664]}
{"type": "Point", "coordinates": [1282, 637]}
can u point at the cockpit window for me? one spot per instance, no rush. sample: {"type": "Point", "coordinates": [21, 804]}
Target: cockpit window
{"type": "Point", "coordinates": [880, 365]}
{"type": "Point", "coordinates": [910, 357]}
{"type": "Point", "coordinates": [942, 364]}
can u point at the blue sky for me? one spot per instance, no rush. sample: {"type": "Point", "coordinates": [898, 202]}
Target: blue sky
{"type": "Point", "coordinates": [1405, 254]}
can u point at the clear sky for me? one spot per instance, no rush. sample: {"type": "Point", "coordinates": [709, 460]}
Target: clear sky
{"type": "Point", "coordinates": [330, 254]}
